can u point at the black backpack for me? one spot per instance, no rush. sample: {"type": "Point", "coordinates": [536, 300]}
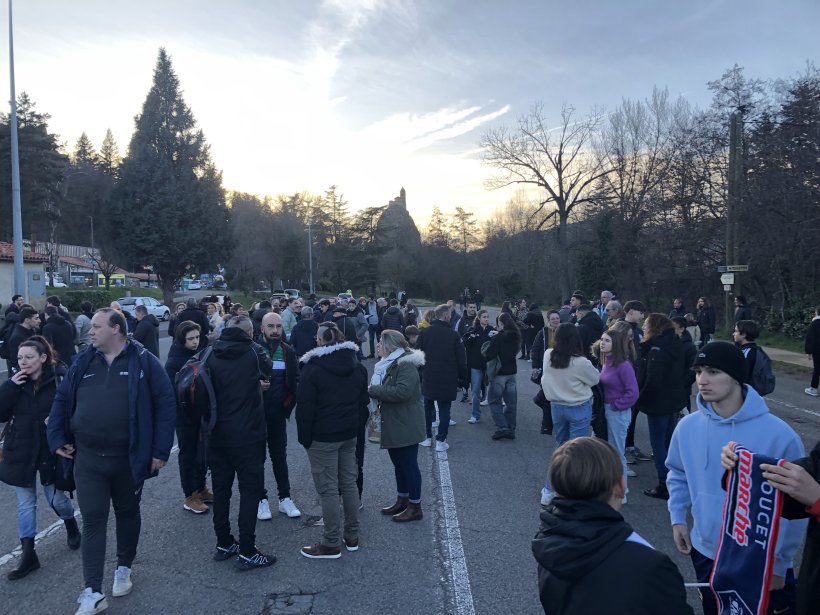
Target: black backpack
{"type": "Point", "coordinates": [195, 391]}
{"type": "Point", "coordinates": [762, 379]}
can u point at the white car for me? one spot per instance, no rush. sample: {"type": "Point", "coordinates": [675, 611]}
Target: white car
{"type": "Point", "coordinates": [194, 285]}
{"type": "Point", "coordinates": [154, 307]}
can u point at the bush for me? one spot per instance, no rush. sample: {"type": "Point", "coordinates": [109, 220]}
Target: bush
{"type": "Point", "coordinates": [99, 297]}
{"type": "Point", "coordinates": [792, 322]}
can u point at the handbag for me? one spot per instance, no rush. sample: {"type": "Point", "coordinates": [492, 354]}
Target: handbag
{"type": "Point", "coordinates": [493, 365]}
{"type": "Point", "coordinates": [374, 427]}
{"type": "Point", "coordinates": [599, 426]}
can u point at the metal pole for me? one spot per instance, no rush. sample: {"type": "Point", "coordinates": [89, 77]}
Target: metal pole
{"type": "Point", "coordinates": [731, 207]}
{"type": "Point", "coordinates": [17, 215]}
{"type": "Point", "coordinates": [92, 233]}
{"type": "Point", "coordinates": [310, 259]}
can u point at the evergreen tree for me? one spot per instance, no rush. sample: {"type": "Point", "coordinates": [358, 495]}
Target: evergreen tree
{"type": "Point", "coordinates": [438, 233]}
{"type": "Point", "coordinates": [109, 158]}
{"type": "Point", "coordinates": [169, 205]}
{"type": "Point", "coordinates": [84, 153]}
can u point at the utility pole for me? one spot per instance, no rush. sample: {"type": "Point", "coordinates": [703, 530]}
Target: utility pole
{"type": "Point", "coordinates": [17, 215]}
{"type": "Point", "coordinates": [735, 186]}
{"type": "Point", "coordinates": [310, 260]}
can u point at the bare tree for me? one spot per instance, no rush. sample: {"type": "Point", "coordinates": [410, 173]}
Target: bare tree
{"type": "Point", "coordinates": [560, 163]}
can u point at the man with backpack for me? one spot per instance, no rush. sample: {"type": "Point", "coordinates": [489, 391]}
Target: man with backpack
{"type": "Point", "coordinates": [239, 370]}
{"type": "Point", "coordinates": [759, 374]}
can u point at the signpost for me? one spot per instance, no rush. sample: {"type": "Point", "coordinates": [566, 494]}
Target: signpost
{"type": "Point", "coordinates": [728, 279]}
{"type": "Point", "coordinates": [729, 268]}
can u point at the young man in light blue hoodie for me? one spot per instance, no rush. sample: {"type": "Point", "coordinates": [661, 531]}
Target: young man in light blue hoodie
{"type": "Point", "coordinates": [728, 410]}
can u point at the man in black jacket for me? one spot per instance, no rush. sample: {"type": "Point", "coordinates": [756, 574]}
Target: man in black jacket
{"type": "Point", "coordinates": [60, 333]}
{"type": "Point", "coordinates": [27, 325]}
{"type": "Point", "coordinates": [238, 367]}
{"type": "Point", "coordinates": [194, 314]}
{"type": "Point", "coordinates": [147, 330]}
{"type": "Point", "coordinates": [590, 326]}
{"type": "Point", "coordinates": [279, 398]}
{"type": "Point", "coordinates": [445, 370]}
{"type": "Point", "coordinates": [392, 318]}
{"type": "Point", "coordinates": [589, 559]}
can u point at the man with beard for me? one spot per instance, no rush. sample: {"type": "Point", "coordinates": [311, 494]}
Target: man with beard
{"type": "Point", "coordinates": [279, 397]}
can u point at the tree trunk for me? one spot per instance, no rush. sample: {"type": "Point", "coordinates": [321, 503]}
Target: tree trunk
{"type": "Point", "coordinates": [563, 255]}
{"type": "Point", "coordinates": [167, 292]}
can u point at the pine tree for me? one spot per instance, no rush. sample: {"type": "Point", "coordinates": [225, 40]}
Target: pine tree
{"type": "Point", "coordinates": [109, 158]}
{"type": "Point", "coordinates": [438, 230]}
{"type": "Point", "coordinates": [169, 205]}
{"type": "Point", "coordinates": [84, 151]}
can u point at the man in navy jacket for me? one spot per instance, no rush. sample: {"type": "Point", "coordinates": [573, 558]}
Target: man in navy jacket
{"type": "Point", "coordinates": [113, 415]}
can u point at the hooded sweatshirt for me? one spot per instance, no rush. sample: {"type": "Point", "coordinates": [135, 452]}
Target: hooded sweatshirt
{"type": "Point", "coordinates": [147, 334]}
{"type": "Point", "coordinates": [694, 479]}
{"type": "Point", "coordinates": [591, 561]}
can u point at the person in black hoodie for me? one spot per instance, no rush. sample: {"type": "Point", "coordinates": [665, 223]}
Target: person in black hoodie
{"type": "Point", "coordinates": [473, 340]}
{"type": "Point", "coordinates": [534, 321]}
{"type": "Point", "coordinates": [239, 370]}
{"type": "Point", "coordinates": [661, 378]}
{"type": "Point", "coordinates": [303, 336]}
{"type": "Point", "coordinates": [194, 314]}
{"type": "Point", "coordinates": [392, 318]}
{"type": "Point", "coordinates": [27, 325]}
{"type": "Point", "coordinates": [689, 354]}
{"type": "Point", "coordinates": [192, 466]}
{"type": "Point", "coordinates": [504, 345]}
{"type": "Point", "coordinates": [589, 559]}
{"type": "Point", "coordinates": [590, 326]}
{"type": "Point", "coordinates": [331, 403]}
{"type": "Point", "coordinates": [147, 330]}
{"type": "Point", "coordinates": [60, 333]}
{"type": "Point", "coordinates": [25, 400]}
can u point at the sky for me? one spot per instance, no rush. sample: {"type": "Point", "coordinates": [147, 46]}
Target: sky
{"type": "Point", "coordinates": [373, 95]}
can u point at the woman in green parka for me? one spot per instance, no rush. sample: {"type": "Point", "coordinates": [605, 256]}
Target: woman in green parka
{"type": "Point", "coordinates": [397, 388]}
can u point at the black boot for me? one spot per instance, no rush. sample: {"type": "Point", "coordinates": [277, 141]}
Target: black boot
{"type": "Point", "coordinates": [28, 561]}
{"type": "Point", "coordinates": [73, 532]}
{"type": "Point", "coordinates": [660, 492]}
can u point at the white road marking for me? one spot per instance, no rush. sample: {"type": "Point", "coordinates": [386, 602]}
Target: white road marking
{"type": "Point", "coordinates": [793, 407]}
{"type": "Point", "coordinates": [457, 563]}
{"type": "Point", "coordinates": [51, 529]}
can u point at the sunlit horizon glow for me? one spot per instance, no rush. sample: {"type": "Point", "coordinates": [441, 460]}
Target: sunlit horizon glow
{"type": "Point", "coordinates": [368, 95]}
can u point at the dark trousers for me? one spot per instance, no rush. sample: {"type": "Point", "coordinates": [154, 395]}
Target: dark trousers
{"type": "Point", "coordinates": [247, 464]}
{"type": "Point", "coordinates": [102, 481]}
{"type": "Point", "coordinates": [406, 466]}
{"type": "Point", "coordinates": [371, 335]}
{"type": "Point", "coordinates": [815, 375]}
{"type": "Point", "coordinates": [542, 402]}
{"type": "Point", "coordinates": [443, 417]}
{"type": "Point", "coordinates": [361, 440]}
{"type": "Point", "coordinates": [630, 432]}
{"type": "Point", "coordinates": [660, 435]}
{"type": "Point", "coordinates": [527, 336]}
{"type": "Point", "coordinates": [278, 451]}
{"type": "Point", "coordinates": [781, 602]}
{"type": "Point", "coordinates": [192, 466]}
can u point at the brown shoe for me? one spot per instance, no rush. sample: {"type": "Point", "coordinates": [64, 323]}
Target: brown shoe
{"type": "Point", "coordinates": [351, 544]}
{"type": "Point", "coordinates": [206, 495]}
{"type": "Point", "coordinates": [411, 513]}
{"type": "Point", "coordinates": [398, 507]}
{"type": "Point", "coordinates": [194, 504]}
{"type": "Point", "coordinates": [320, 551]}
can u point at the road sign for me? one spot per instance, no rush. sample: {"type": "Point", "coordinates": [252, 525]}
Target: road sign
{"type": "Point", "coordinates": [727, 287]}
{"type": "Point", "coordinates": [729, 268]}
{"type": "Point", "coordinates": [727, 278]}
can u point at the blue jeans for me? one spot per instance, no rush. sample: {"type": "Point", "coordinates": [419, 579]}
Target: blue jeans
{"type": "Point", "coordinates": [569, 422]}
{"type": "Point", "coordinates": [660, 435]}
{"type": "Point", "coordinates": [443, 417]}
{"type": "Point", "coordinates": [408, 476]}
{"type": "Point", "coordinates": [617, 424]}
{"type": "Point", "coordinates": [27, 507]}
{"type": "Point", "coordinates": [503, 386]}
{"type": "Point", "coordinates": [476, 378]}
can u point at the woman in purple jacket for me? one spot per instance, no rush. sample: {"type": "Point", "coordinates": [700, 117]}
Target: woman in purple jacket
{"type": "Point", "coordinates": [615, 351]}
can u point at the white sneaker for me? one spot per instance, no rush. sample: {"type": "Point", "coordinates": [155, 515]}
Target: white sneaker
{"type": "Point", "coordinates": [810, 391]}
{"type": "Point", "coordinates": [452, 422]}
{"type": "Point", "coordinates": [631, 473]}
{"type": "Point", "coordinates": [472, 420]}
{"type": "Point", "coordinates": [426, 442]}
{"type": "Point", "coordinates": [122, 582]}
{"type": "Point", "coordinates": [434, 424]}
{"type": "Point", "coordinates": [263, 511]}
{"type": "Point", "coordinates": [441, 446]}
{"type": "Point", "coordinates": [546, 497]}
{"type": "Point", "coordinates": [484, 403]}
{"type": "Point", "coordinates": [287, 506]}
{"type": "Point", "coordinates": [91, 602]}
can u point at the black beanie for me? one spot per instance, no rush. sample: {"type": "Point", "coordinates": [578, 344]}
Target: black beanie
{"type": "Point", "coordinates": [723, 356]}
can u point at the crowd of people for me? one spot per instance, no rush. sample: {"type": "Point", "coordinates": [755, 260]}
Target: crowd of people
{"type": "Point", "coordinates": [92, 409]}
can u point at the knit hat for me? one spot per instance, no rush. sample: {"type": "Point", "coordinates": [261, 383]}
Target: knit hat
{"type": "Point", "coordinates": [723, 356]}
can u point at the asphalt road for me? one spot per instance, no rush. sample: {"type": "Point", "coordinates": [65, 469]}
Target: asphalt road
{"type": "Point", "coordinates": [470, 554]}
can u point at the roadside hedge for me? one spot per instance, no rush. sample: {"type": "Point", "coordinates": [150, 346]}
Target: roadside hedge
{"type": "Point", "coordinates": [99, 297]}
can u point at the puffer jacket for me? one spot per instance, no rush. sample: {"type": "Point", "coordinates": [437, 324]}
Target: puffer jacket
{"type": "Point", "coordinates": [399, 397]}
{"type": "Point", "coordinates": [662, 375]}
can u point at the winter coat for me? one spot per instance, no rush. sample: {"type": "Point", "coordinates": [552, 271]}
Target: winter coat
{"type": "Point", "coordinates": [199, 317]}
{"type": "Point", "coordinates": [591, 561]}
{"type": "Point", "coordinates": [808, 585]}
{"type": "Point", "coordinates": [332, 399]}
{"type": "Point", "coordinates": [60, 333]}
{"type": "Point", "coordinates": [147, 334]}
{"type": "Point", "coordinates": [360, 321]}
{"type": "Point", "coordinates": [591, 327]}
{"type": "Point", "coordinates": [411, 315]}
{"type": "Point", "coordinates": [19, 335]}
{"type": "Point", "coordinates": [812, 344]}
{"type": "Point", "coordinates": [473, 340]}
{"type": "Point", "coordinates": [289, 320]}
{"type": "Point", "coordinates": [689, 354]}
{"type": "Point", "coordinates": [392, 319]}
{"type": "Point", "coordinates": [178, 356]}
{"type": "Point", "coordinates": [743, 312]}
{"type": "Point", "coordinates": [152, 408]}
{"type": "Point", "coordinates": [83, 327]}
{"type": "Point", "coordinates": [236, 365]}
{"type": "Point", "coordinates": [538, 349]}
{"type": "Point", "coordinates": [399, 397]}
{"type": "Point", "coordinates": [678, 312]}
{"type": "Point", "coordinates": [281, 395]}
{"type": "Point", "coordinates": [25, 449]}
{"type": "Point", "coordinates": [706, 320]}
{"type": "Point", "coordinates": [505, 345]}
{"type": "Point", "coordinates": [464, 324]}
{"type": "Point", "coordinates": [534, 319]}
{"type": "Point", "coordinates": [662, 375]}
{"type": "Point", "coordinates": [303, 336]}
{"type": "Point", "coordinates": [445, 362]}
{"type": "Point", "coordinates": [348, 328]}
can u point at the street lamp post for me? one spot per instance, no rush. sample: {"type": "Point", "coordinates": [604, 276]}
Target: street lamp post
{"type": "Point", "coordinates": [17, 215]}
{"type": "Point", "coordinates": [310, 260]}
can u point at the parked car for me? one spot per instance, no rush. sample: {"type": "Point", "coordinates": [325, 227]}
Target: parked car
{"type": "Point", "coordinates": [293, 293]}
{"type": "Point", "coordinates": [344, 297]}
{"type": "Point", "coordinates": [55, 281]}
{"type": "Point", "coordinates": [278, 296]}
{"type": "Point", "coordinates": [194, 285]}
{"type": "Point", "coordinates": [154, 307]}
